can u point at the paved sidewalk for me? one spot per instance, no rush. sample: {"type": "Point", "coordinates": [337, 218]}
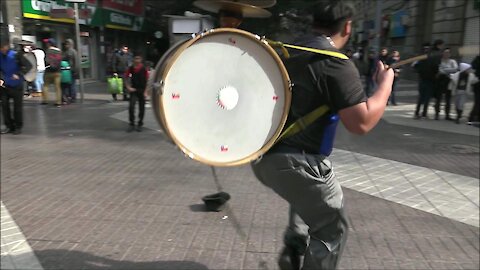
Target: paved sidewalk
{"type": "Point", "coordinates": [88, 195]}
{"type": "Point", "coordinates": [15, 253]}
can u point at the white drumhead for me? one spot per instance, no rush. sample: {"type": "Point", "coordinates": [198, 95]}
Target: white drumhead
{"type": "Point", "coordinates": [225, 98]}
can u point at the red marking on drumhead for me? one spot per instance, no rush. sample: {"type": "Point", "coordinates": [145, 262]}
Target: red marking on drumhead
{"type": "Point", "coordinates": [233, 41]}
{"type": "Point", "coordinates": [275, 98]}
{"type": "Point", "coordinates": [175, 96]}
{"type": "Point", "coordinates": [224, 148]}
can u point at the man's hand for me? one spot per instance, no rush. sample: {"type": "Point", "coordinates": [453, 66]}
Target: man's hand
{"type": "Point", "coordinates": [383, 75]}
{"type": "Point", "coordinates": [15, 77]}
{"type": "Point", "coordinates": [131, 89]}
{"type": "Point", "coordinates": [1, 83]}
{"type": "Point", "coordinates": [361, 118]}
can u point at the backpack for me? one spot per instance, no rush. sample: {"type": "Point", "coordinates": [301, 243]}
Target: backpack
{"type": "Point", "coordinates": [54, 59]}
{"type": "Point", "coordinates": [65, 73]}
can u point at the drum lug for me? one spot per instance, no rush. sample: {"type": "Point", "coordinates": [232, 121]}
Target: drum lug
{"type": "Point", "coordinates": [290, 85]}
{"type": "Point", "coordinates": [158, 86]}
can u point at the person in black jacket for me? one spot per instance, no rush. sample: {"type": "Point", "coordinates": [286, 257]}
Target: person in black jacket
{"type": "Point", "coordinates": [427, 70]}
{"type": "Point", "coordinates": [135, 81]}
{"type": "Point", "coordinates": [475, 113]}
{"type": "Point", "coordinates": [13, 67]}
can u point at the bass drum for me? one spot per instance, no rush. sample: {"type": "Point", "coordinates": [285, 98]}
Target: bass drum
{"type": "Point", "coordinates": [222, 97]}
{"type": "Point", "coordinates": [155, 83]}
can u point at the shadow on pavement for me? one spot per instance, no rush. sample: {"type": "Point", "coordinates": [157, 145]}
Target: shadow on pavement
{"type": "Point", "coordinates": [199, 207]}
{"type": "Point", "coordinates": [72, 260]}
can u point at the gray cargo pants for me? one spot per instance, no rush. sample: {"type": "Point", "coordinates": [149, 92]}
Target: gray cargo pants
{"type": "Point", "coordinates": [308, 183]}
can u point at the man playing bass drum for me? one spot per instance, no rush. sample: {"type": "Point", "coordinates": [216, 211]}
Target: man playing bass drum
{"type": "Point", "coordinates": [297, 168]}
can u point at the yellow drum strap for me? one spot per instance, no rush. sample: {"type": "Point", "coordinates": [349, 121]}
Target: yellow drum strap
{"type": "Point", "coordinates": [283, 47]}
{"type": "Point", "coordinates": [311, 117]}
{"type": "Point", "coordinates": [303, 122]}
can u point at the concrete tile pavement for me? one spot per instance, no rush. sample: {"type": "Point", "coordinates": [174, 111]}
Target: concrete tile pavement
{"type": "Point", "coordinates": [87, 195]}
{"type": "Point", "coordinates": [15, 252]}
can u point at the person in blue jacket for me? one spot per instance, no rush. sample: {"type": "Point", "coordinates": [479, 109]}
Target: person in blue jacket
{"type": "Point", "coordinates": [12, 69]}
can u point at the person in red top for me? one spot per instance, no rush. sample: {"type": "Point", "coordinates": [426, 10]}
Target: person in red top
{"type": "Point", "coordinates": [136, 78]}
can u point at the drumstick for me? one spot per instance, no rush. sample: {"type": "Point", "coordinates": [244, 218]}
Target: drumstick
{"type": "Point", "coordinates": [408, 61]}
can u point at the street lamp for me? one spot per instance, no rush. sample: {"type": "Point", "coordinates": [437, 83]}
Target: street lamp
{"type": "Point", "coordinates": [77, 37]}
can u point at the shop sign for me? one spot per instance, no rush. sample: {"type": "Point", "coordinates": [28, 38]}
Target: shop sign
{"type": "Point", "coordinates": [128, 6]}
{"type": "Point", "coordinates": [122, 21]}
{"type": "Point", "coordinates": [62, 13]}
{"type": "Point", "coordinates": [41, 9]}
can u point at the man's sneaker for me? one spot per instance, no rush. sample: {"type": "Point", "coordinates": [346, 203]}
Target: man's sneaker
{"type": "Point", "coordinates": [130, 128]}
{"type": "Point", "coordinates": [289, 259]}
{"type": "Point", "coordinates": [17, 131]}
{"type": "Point", "coordinates": [139, 128]}
{"type": "Point", "coordinates": [6, 130]}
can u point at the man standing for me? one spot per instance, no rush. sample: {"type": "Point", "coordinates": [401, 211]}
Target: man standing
{"type": "Point", "coordinates": [135, 81]}
{"type": "Point", "coordinates": [12, 69]}
{"type": "Point", "coordinates": [121, 62]}
{"type": "Point", "coordinates": [447, 66]}
{"type": "Point", "coordinates": [427, 71]}
{"type": "Point", "coordinates": [70, 55]}
{"type": "Point", "coordinates": [297, 168]}
{"type": "Point", "coordinates": [52, 72]}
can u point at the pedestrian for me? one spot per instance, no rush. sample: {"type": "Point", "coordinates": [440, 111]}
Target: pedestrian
{"type": "Point", "coordinates": [461, 84]}
{"type": "Point", "coordinates": [40, 57]}
{"type": "Point", "coordinates": [474, 116]}
{"type": "Point", "coordinates": [66, 81]}
{"type": "Point", "coordinates": [427, 71]}
{"type": "Point", "coordinates": [297, 168]}
{"type": "Point", "coordinates": [135, 79]}
{"type": "Point", "coordinates": [70, 55]}
{"type": "Point", "coordinates": [436, 57]}
{"type": "Point", "coordinates": [52, 72]}
{"type": "Point", "coordinates": [369, 71]}
{"type": "Point", "coordinates": [447, 66]}
{"type": "Point", "coordinates": [12, 69]}
{"type": "Point", "coordinates": [122, 60]}
{"type": "Point", "coordinates": [394, 58]}
{"type": "Point", "coordinates": [383, 55]}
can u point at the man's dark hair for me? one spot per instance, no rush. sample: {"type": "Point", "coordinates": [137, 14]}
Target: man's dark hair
{"type": "Point", "coordinates": [330, 15]}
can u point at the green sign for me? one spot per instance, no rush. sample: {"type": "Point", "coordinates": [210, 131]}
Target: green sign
{"type": "Point", "coordinates": [119, 20]}
{"type": "Point", "coordinates": [40, 9]}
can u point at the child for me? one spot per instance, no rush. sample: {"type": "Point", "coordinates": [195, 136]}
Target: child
{"type": "Point", "coordinates": [66, 81]}
{"type": "Point", "coordinates": [461, 83]}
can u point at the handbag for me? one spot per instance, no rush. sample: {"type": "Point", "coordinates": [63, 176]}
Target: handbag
{"type": "Point", "coordinates": [115, 85]}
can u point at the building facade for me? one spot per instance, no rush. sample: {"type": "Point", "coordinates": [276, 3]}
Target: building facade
{"type": "Point", "coordinates": [105, 25]}
{"type": "Point", "coordinates": [407, 24]}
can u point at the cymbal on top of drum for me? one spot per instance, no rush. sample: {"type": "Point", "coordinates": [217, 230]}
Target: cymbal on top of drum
{"type": "Point", "coordinates": [247, 11]}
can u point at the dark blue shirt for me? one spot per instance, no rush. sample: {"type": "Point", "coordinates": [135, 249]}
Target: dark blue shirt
{"type": "Point", "coordinates": [8, 67]}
